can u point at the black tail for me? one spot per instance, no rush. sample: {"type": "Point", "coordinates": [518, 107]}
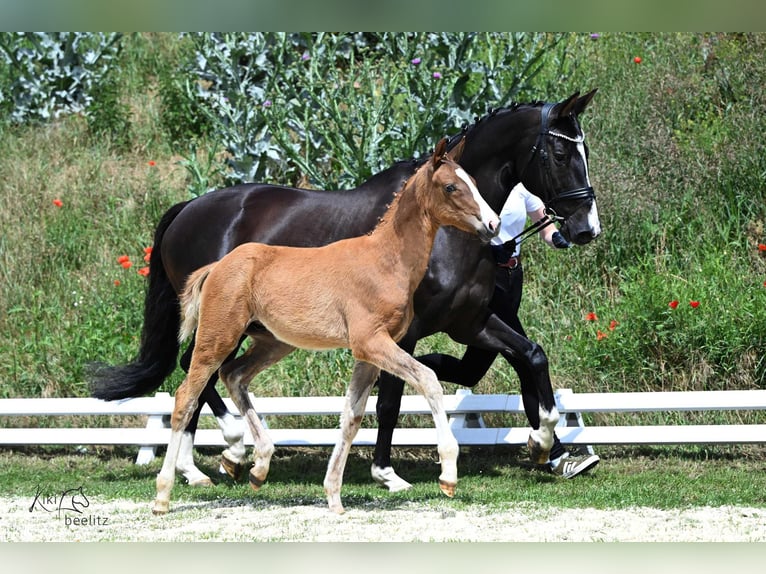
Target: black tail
{"type": "Point", "coordinates": [159, 338]}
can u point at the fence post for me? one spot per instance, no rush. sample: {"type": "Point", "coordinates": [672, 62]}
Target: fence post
{"type": "Point", "coordinates": [147, 453]}
{"type": "Point", "coordinates": [466, 420]}
{"type": "Point", "coordinates": [572, 419]}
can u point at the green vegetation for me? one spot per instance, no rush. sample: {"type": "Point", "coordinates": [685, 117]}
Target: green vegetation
{"type": "Point", "coordinates": [491, 477]}
{"type": "Point", "coordinates": [677, 160]}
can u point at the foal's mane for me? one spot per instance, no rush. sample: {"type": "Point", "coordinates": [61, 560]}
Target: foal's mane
{"type": "Point", "coordinates": [398, 194]}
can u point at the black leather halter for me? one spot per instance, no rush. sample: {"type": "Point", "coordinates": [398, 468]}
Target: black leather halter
{"type": "Point", "coordinates": [541, 148]}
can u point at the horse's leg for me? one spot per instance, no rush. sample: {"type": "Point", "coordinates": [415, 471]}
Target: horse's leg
{"type": "Point", "coordinates": [356, 399]}
{"type": "Point", "coordinates": [388, 356]}
{"type": "Point", "coordinates": [236, 375]}
{"type": "Point", "coordinates": [536, 389]}
{"type": "Point", "coordinates": [466, 371]}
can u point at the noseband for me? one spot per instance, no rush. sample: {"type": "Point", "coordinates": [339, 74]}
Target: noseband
{"type": "Point", "coordinates": [573, 194]}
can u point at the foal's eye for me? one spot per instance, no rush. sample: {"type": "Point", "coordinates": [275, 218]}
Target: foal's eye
{"type": "Point", "coordinates": [450, 187]}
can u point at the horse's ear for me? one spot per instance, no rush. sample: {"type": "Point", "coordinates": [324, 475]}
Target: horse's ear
{"type": "Point", "coordinates": [583, 101]}
{"type": "Point", "coordinates": [439, 153]}
{"type": "Point", "coordinates": [456, 152]}
{"type": "Point", "coordinates": [565, 108]}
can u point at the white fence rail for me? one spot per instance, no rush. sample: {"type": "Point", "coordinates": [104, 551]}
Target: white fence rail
{"type": "Point", "coordinates": [464, 409]}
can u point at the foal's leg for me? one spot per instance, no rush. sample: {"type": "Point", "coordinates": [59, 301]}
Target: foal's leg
{"type": "Point", "coordinates": [384, 353]}
{"type": "Point", "coordinates": [212, 347]}
{"type": "Point", "coordinates": [187, 396]}
{"type": "Point", "coordinates": [232, 428]}
{"type": "Point", "coordinates": [236, 375]}
{"type": "Point", "coordinates": [362, 381]}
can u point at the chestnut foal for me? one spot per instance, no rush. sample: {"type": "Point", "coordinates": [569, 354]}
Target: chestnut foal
{"type": "Point", "coordinates": [355, 293]}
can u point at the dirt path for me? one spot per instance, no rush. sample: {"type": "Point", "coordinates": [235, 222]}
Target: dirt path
{"type": "Point", "coordinates": [231, 520]}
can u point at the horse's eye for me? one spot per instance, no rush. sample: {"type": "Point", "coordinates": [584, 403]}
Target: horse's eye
{"type": "Point", "coordinates": [450, 187]}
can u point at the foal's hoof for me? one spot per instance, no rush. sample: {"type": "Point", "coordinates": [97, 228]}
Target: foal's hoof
{"type": "Point", "coordinates": [231, 467]}
{"type": "Point", "coordinates": [255, 482]}
{"type": "Point", "coordinates": [537, 453]}
{"type": "Point", "coordinates": [201, 482]}
{"type": "Point", "coordinates": [447, 488]}
{"type": "Point", "coordinates": [160, 507]}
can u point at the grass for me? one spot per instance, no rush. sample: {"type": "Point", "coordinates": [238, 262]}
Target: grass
{"type": "Point", "coordinates": [660, 477]}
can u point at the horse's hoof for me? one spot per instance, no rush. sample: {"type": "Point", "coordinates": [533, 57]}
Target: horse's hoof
{"type": "Point", "coordinates": [203, 482]}
{"type": "Point", "coordinates": [160, 507]}
{"type": "Point", "coordinates": [447, 488]}
{"type": "Point", "coordinates": [388, 478]}
{"type": "Point", "coordinates": [537, 453]}
{"type": "Point", "coordinates": [255, 482]}
{"type": "Point", "coordinates": [231, 467]}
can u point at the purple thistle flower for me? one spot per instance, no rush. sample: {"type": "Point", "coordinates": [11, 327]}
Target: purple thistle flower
{"type": "Point", "coordinates": [437, 76]}
{"type": "Point", "coordinates": [595, 36]}
{"type": "Point", "coordinates": [305, 56]}
{"type": "Point", "coordinates": [267, 104]}
{"type": "Point", "coordinates": [415, 61]}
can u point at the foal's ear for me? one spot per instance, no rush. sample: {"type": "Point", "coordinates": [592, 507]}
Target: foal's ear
{"type": "Point", "coordinates": [439, 153]}
{"type": "Point", "coordinates": [457, 151]}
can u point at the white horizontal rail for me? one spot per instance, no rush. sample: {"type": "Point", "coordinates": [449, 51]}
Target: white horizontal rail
{"type": "Point", "coordinates": [572, 405]}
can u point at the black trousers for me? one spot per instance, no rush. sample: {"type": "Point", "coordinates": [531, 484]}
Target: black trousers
{"type": "Point", "coordinates": [506, 300]}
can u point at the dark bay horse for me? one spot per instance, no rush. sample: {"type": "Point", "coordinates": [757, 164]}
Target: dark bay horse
{"type": "Point", "coordinates": [363, 301]}
{"type": "Point", "coordinates": [540, 145]}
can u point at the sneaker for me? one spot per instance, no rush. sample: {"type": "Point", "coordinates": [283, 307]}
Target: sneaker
{"type": "Point", "coordinates": [567, 466]}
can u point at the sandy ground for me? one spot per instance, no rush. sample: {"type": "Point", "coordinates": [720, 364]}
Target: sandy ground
{"type": "Point", "coordinates": [233, 520]}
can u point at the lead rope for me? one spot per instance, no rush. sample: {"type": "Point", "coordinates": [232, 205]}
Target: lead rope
{"type": "Point", "coordinates": [549, 218]}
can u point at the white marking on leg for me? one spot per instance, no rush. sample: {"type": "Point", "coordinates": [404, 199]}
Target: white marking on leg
{"type": "Point", "coordinates": [167, 474]}
{"type": "Point", "coordinates": [544, 435]}
{"type": "Point", "coordinates": [233, 430]}
{"type": "Point", "coordinates": [185, 463]}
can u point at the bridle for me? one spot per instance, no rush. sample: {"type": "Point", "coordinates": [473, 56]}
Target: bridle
{"type": "Point", "coordinates": [541, 149]}
{"type": "Point", "coordinates": [573, 194]}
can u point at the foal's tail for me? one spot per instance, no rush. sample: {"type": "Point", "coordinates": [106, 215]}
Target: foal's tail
{"type": "Point", "coordinates": [159, 344]}
{"type": "Point", "coordinates": [190, 301]}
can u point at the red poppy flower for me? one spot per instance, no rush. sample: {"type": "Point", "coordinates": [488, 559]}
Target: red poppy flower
{"type": "Point", "coordinates": [591, 316]}
{"type": "Point", "coordinates": [144, 271]}
{"type": "Point", "coordinates": [57, 202]}
{"type": "Point", "coordinates": [694, 304]}
{"type": "Point", "coordinates": [613, 325]}
{"type": "Point", "coordinates": [673, 304]}
{"type": "Point", "coordinates": [116, 282]}
{"type": "Point", "coordinates": [126, 264]}
{"type": "Point", "coordinates": [148, 252]}
{"type": "Point", "coordinates": [152, 163]}
{"type": "Point", "coordinates": [600, 335]}
{"type": "Point", "coordinates": [123, 259]}
{"type": "Point", "coordinates": [637, 60]}
{"type": "Point", "coordinates": [761, 246]}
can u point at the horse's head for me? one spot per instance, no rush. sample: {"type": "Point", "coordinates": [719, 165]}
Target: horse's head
{"type": "Point", "coordinates": [557, 168]}
{"type": "Point", "coordinates": [456, 200]}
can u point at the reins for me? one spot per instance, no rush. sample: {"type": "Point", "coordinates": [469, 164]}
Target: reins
{"type": "Point", "coordinates": [549, 218]}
